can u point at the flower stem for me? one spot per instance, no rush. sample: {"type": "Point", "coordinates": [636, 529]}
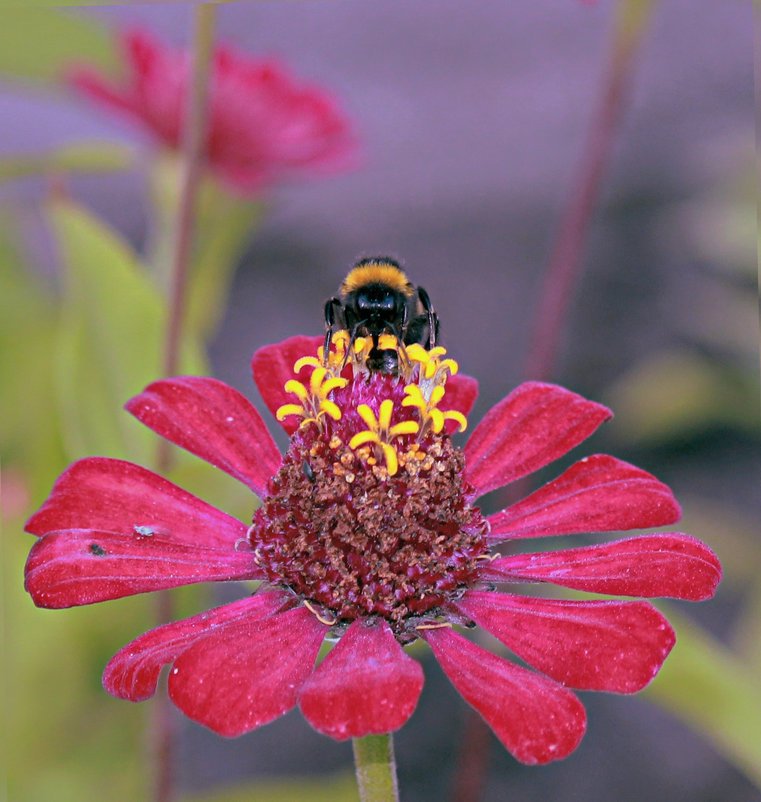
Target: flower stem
{"type": "Point", "coordinates": [376, 768]}
{"type": "Point", "coordinates": [564, 267]}
{"type": "Point", "coordinates": [204, 24]}
{"type": "Point", "coordinates": [192, 154]}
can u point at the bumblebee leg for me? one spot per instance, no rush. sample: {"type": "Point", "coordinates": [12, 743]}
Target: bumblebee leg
{"type": "Point", "coordinates": [399, 332]}
{"type": "Point", "coordinates": [433, 320]}
{"type": "Point", "coordinates": [352, 339]}
{"type": "Point", "coordinates": [429, 316]}
{"type": "Point", "coordinates": [330, 323]}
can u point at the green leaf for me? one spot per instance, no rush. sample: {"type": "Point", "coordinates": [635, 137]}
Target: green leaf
{"type": "Point", "coordinates": [679, 393]}
{"type": "Point", "coordinates": [29, 435]}
{"type": "Point", "coordinates": [709, 687]}
{"type": "Point", "coordinates": [224, 223]}
{"type": "Point", "coordinates": [82, 157]}
{"type": "Point", "coordinates": [110, 339]}
{"type": "Point", "coordinates": [41, 45]}
{"type": "Point", "coordinates": [86, 745]}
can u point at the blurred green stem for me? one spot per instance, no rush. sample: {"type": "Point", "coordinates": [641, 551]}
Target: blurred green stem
{"type": "Point", "coordinates": [564, 266]}
{"type": "Point", "coordinates": [204, 24]}
{"type": "Point", "coordinates": [376, 768]}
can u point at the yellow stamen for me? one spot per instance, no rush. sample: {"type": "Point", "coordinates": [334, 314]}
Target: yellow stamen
{"type": "Point", "coordinates": [331, 409]}
{"type": "Point", "coordinates": [366, 436]}
{"type": "Point", "coordinates": [392, 460]}
{"type": "Point", "coordinates": [307, 360]}
{"type": "Point", "coordinates": [430, 368]}
{"type": "Point", "coordinates": [368, 416]}
{"type": "Point", "coordinates": [327, 622]}
{"type": "Point", "coordinates": [332, 384]}
{"type": "Point", "coordinates": [318, 374]}
{"type": "Point", "coordinates": [405, 427]}
{"type": "Point", "coordinates": [436, 395]}
{"type": "Point", "coordinates": [436, 416]}
{"type": "Point", "coordinates": [453, 414]}
{"type": "Point", "coordinates": [417, 353]}
{"type": "Point", "coordinates": [288, 409]}
{"type": "Point", "coordinates": [297, 388]}
{"type": "Point", "coordinates": [384, 414]}
{"type": "Point", "coordinates": [428, 410]}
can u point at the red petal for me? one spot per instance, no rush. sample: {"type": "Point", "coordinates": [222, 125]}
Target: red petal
{"type": "Point", "coordinates": [247, 675]}
{"type": "Point", "coordinates": [214, 421]}
{"type": "Point", "coordinates": [367, 685]}
{"type": "Point", "coordinates": [460, 395]}
{"type": "Point", "coordinates": [89, 82]}
{"type": "Point", "coordinates": [669, 565]}
{"type": "Point", "coordinates": [591, 645]}
{"type": "Point", "coordinates": [272, 367]}
{"type": "Point", "coordinates": [82, 566]}
{"type": "Point", "coordinates": [596, 494]}
{"type": "Point", "coordinates": [536, 719]}
{"type": "Point", "coordinates": [109, 494]}
{"type": "Point", "coordinates": [132, 673]}
{"type": "Point", "coordinates": [536, 424]}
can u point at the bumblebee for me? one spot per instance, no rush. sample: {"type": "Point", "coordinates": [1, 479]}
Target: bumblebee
{"type": "Point", "coordinates": [377, 298]}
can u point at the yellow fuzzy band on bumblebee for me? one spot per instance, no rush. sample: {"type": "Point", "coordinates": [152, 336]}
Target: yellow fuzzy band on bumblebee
{"type": "Point", "coordinates": [377, 273]}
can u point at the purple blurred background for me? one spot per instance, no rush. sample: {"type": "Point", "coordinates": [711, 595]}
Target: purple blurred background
{"type": "Point", "coordinates": [472, 118]}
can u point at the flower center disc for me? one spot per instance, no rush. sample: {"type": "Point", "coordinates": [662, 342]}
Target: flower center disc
{"type": "Point", "coordinates": [353, 541]}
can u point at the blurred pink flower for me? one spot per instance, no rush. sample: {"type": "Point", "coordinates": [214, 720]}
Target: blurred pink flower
{"type": "Point", "coordinates": [263, 126]}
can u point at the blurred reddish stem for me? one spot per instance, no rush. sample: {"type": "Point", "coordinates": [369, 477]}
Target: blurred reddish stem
{"type": "Point", "coordinates": [563, 273]}
{"type": "Point", "coordinates": [204, 24]}
{"type": "Point", "coordinates": [564, 266]}
{"type": "Point", "coordinates": [473, 760]}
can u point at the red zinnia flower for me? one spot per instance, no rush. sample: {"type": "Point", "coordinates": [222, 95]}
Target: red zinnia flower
{"type": "Point", "coordinates": [367, 535]}
{"type": "Point", "coordinates": [262, 125]}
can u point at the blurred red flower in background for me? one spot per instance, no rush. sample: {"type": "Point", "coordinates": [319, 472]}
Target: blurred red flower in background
{"type": "Point", "coordinates": [262, 126]}
{"type": "Point", "coordinates": [367, 533]}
